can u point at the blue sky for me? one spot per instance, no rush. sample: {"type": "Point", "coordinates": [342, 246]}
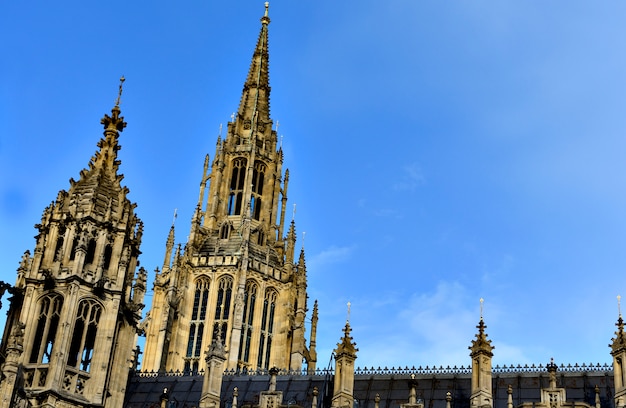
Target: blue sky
{"type": "Point", "coordinates": [439, 152]}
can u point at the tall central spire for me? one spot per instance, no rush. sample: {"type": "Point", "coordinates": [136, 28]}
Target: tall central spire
{"type": "Point", "coordinates": [254, 107]}
{"type": "Point", "coordinates": [238, 268]}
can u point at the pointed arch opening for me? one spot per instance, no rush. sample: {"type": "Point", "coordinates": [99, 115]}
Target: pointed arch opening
{"type": "Point", "coordinates": [47, 323]}
{"type": "Point", "coordinates": [258, 179]}
{"type": "Point", "coordinates": [108, 252]}
{"type": "Point", "coordinates": [91, 252]}
{"type": "Point", "coordinates": [196, 326]}
{"type": "Point", "coordinates": [225, 230]}
{"type": "Point", "coordinates": [237, 182]}
{"type": "Point", "coordinates": [222, 306]}
{"type": "Point", "coordinates": [247, 328]}
{"type": "Point", "coordinates": [74, 247]}
{"type": "Point", "coordinates": [84, 335]}
{"type": "Point", "coordinates": [267, 328]}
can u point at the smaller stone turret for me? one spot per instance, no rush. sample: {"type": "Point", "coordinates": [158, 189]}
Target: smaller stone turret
{"type": "Point", "coordinates": [345, 355]}
{"type": "Point", "coordinates": [618, 351]}
{"type": "Point", "coordinates": [79, 295]}
{"type": "Point", "coordinates": [313, 341]}
{"type": "Point", "coordinates": [481, 353]}
{"type": "Point", "coordinates": [553, 396]}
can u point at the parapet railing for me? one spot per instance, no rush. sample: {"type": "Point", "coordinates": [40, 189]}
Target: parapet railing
{"type": "Point", "coordinates": [562, 368]}
{"type": "Point", "coordinates": [427, 370]}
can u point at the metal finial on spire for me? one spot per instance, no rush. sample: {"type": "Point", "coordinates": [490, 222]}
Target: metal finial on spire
{"type": "Point", "coordinates": [348, 316]}
{"type": "Point", "coordinates": [220, 135]}
{"type": "Point", "coordinates": [482, 301]}
{"type": "Point", "coordinates": [232, 117]}
{"type": "Point", "coordinates": [277, 125]}
{"type": "Point", "coordinates": [119, 93]}
{"type": "Point", "coordinates": [619, 306]}
{"type": "Point", "coordinates": [293, 215]}
{"type": "Point", "coordinates": [281, 141]}
{"type": "Point", "coordinates": [303, 236]}
{"type": "Point", "coordinates": [175, 215]}
{"type": "Point", "coordinates": [265, 20]}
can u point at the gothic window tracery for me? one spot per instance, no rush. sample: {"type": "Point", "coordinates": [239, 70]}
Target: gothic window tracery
{"type": "Point", "coordinates": [47, 323]}
{"type": "Point", "coordinates": [196, 327]}
{"type": "Point", "coordinates": [248, 320]}
{"type": "Point", "coordinates": [267, 329]}
{"type": "Point", "coordinates": [237, 179]}
{"type": "Point", "coordinates": [222, 306]}
{"type": "Point", "coordinates": [84, 335]}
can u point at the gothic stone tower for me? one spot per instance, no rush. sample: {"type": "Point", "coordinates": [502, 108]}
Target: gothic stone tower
{"type": "Point", "coordinates": [71, 326]}
{"type": "Point", "coordinates": [237, 276]}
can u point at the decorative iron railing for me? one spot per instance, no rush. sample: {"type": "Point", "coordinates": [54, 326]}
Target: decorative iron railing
{"type": "Point", "coordinates": [427, 370]}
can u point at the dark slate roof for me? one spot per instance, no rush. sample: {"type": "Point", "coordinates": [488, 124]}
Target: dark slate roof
{"type": "Point", "coordinates": [392, 386]}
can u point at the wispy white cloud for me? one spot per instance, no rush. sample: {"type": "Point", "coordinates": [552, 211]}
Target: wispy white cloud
{"type": "Point", "coordinates": [431, 328]}
{"type": "Point", "coordinates": [412, 177]}
{"type": "Point", "coordinates": [332, 255]}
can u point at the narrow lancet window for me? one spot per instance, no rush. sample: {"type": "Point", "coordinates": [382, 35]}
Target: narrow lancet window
{"type": "Point", "coordinates": [237, 181]}
{"type": "Point", "coordinates": [222, 306]}
{"type": "Point", "coordinates": [84, 335]}
{"type": "Point", "coordinates": [91, 252]}
{"type": "Point", "coordinates": [108, 251]}
{"type": "Point", "coordinates": [196, 327]}
{"type": "Point", "coordinates": [267, 329]}
{"type": "Point", "coordinates": [258, 178]}
{"type": "Point", "coordinates": [74, 246]}
{"type": "Point", "coordinates": [248, 319]}
{"type": "Point", "coordinates": [45, 334]}
{"type": "Point", "coordinates": [225, 231]}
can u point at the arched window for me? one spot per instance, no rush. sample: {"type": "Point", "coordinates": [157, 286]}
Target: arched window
{"type": "Point", "coordinates": [267, 329]}
{"type": "Point", "coordinates": [47, 324]}
{"type": "Point", "coordinates": [248, 319]}
{"type": "Point", "coordinates": [84, 335]}
{"type": "Point", "coordinates": [108, 251]}
{"type": "Point", "coordinates": [260, 238]}
{"type": "Point", "coordinates": [237, 179]}
{"type": "Point", "coordinates": [91, 252]}
{"type": "Point", "coordinates": [222, 306]}
{"type": "Point", "coordinates": [224, 294]}
{"type": "Point", "coordinates": [258, 178]}
{"type": "Point", "coordinates": [225, 231]}
{"type": "Point", "coordinates": [73, 250]}
{"type": "Point", "coordinates": [196, 327]}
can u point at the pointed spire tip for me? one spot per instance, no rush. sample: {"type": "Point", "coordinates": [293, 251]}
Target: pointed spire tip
{"type": "Point", "coordinates": [119, 93]}
{"type": "Point", "coordinates": [266, 19]}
